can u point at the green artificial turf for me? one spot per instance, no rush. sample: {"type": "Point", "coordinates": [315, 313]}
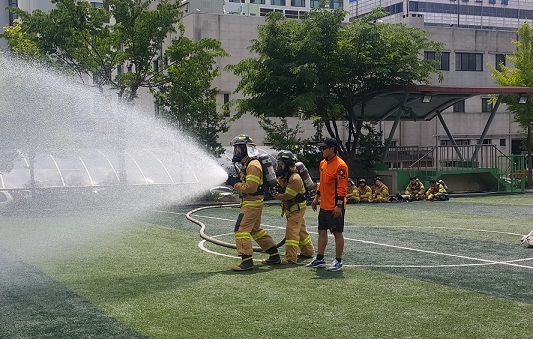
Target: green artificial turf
{"type": "Point", "coordinates": [148, 274]}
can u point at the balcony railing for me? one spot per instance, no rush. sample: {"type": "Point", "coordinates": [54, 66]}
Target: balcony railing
{"type": "Point", "coordinates": [442, 158]}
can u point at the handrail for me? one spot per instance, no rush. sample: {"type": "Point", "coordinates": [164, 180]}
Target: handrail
{"type": "Point", "coordinates": [444, 157]}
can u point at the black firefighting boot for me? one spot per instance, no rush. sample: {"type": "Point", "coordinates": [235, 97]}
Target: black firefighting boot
{"type": "Point", "coordinates": [274, 258]}
{"type": "Point", "coordinates": [246, 264]}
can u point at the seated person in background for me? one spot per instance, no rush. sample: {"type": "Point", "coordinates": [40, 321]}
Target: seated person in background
{"type": "Point", "coordinates": [436, 192]}
{"type": "Point", "coordinates": [350, 193]}
{"type": "Point", "coordinates": [380, 192]}
{"type": "Point", "coordinates": [415, 190]}
{"type": "Point", "coordinates": [363, 192]}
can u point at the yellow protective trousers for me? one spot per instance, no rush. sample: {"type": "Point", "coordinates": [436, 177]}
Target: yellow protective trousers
{"type": "Point", "coordinates": [250, 227]}
{"type": "Point", "coordinates": [296, 235]}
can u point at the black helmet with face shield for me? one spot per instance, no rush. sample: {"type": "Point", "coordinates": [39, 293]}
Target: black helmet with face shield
{"type": "Point", "coordinates": [243, 146]}
{"type": "Point", "coordinates": [286, 159]}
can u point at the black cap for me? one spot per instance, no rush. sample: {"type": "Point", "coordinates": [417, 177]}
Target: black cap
{"type": "Point", "coordinates": [377, 178]}
{"type": "Point", "coordinates": [412, 178]}
{"type": "Point", "coordinates": [433, 181]}
{"type": "Point", "coordinates": [329, 142]}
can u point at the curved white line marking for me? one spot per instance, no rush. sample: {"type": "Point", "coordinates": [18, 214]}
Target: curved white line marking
{"type": "Point", "coordinates": [485, 262]}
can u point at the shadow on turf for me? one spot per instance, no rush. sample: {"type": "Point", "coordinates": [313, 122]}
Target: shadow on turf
{"type": "Point", "coordinates": [325, 274]}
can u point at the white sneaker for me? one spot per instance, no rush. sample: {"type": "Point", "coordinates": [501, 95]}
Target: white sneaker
{"type": "Point", "coordinates": [335, 266]}
{"type": "Point", "coordinates": [316, 263]}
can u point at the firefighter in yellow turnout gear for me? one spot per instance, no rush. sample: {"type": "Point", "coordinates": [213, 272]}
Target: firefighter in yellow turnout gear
{"type": "Point", "coordinates": [292, 197]}
{"type": "Point", "coordinates": [252, 200]}
{"type": "Point", "coordinates": [436, 192]}
{"type": "Point", "coordinates": [380, 191]}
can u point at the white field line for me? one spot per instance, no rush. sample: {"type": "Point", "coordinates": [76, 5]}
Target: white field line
{"type": "Point", "coordinates": [484, 262]}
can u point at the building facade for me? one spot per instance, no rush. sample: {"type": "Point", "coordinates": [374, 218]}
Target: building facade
{"type": "Point", "coordinates": [475, 14]}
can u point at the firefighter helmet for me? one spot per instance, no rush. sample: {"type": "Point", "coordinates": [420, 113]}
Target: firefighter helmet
{"type": "Point", "coordinates": [242, 139]}
{"type": "Point", "coordinates": [243, 145]}
{"type": "Point", "coordinates": [288, 159]}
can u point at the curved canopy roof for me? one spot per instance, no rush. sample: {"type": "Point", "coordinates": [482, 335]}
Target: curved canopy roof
{"type": "Point", "coordinates": [385, 104]}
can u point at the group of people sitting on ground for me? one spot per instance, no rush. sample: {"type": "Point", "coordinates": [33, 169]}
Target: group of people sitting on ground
{"type": "Point", "coordinates": [379, 192]}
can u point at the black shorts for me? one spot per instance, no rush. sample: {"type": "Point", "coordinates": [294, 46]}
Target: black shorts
{"type": "Point", "coordinates": [326, 221]}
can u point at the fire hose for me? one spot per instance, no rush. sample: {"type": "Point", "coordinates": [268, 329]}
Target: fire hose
{"type": "Point", "coordinates": [214, 240]}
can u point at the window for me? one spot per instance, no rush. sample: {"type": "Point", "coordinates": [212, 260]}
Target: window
{"type": "Point", "coordinates": [459, 106]}
{"type": "Point", "coordinates": [503, 142]}
{"type": "Point", "coordinates": [291, 14]}
{"type": "Point", "coordinates": [298, 3]}
{"type": "Point", "coordinates": [277, 2]}
{"type": "Point", "coordinates": [492, 2]}
{"type": "Point", "coordinates": [500, 59]}
{"type": "Point", "coordinates": [486, 141]}
{"type": "Point", "coordinates": [315, 3]}
{"type": "Point", "coordinates": [505, 2]}
{"type": "Point", "coordinates": [458, 142]}
{"type": "Point", "coordinates": [469, 62]}
{"type": "Point", "coordinates": [335, 4]}
{"type": "Point", "coordinates": [225, 108]}
{"type": "Point", "coordinates": [486, 106]}
{"type": "Point", "coordinates": [261, 2]}
{"type": "Point", "coordinates": [443, 58]}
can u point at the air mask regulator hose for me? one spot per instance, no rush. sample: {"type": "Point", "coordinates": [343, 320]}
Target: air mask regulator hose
{"type": "Point", "coordinates": [213, 240]}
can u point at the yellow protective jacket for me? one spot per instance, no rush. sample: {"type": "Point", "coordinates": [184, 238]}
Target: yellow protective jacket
{"type": "Point", "coordinates": [363, 191]}
{"type": "Point", "coordinates": [381, 191]}
{"type": "Point", "coordinates": [294, 197]}
{"type": "Point", "coordinates": [437, 189]}
{"type": "Point", "coordinates": [418, 188]}
{"type": "Point", "coordinates": [252, 174]}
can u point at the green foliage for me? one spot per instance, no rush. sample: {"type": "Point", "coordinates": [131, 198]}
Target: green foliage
{"type": "Point", "coordinates": [520, 75]}
{"type": "Point", "coordinates": [280, 135]}
{"type": "Point", "coordinates": [368, 154]}
{"type": "Point", "coordinates": [20, 43]}
{"type": "Point", "coordinates": [184, 93]}
{"type": "Point", "coordinates": [78, 36]}
{"type": "Point", "coordinates": [319, 68]}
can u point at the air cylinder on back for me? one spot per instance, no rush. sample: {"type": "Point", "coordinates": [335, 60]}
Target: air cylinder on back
{"type": "Point", "coordinates": [304, 174]}
{"type": "Point", "coordinates": [269, 174]}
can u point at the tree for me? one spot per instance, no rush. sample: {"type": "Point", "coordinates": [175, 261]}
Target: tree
{"type": "Point", "coordinates": [20, 43]}
{"type": "Point", "coordinates": [318, 68]}
{"type": "Point", "coordinates": [520, 75]}
{"type": "Point", "coordinates": [185, 96]}
{"type": "Point", "coordinates": [79, 36]}
{"type": "Point", "coordinates": [96, 42]}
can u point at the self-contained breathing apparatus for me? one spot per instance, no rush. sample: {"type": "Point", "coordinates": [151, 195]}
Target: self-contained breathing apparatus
{"type": "Point", "coordinates": [290, 161]}
{"type": "Point", "coordinates": [244, 146]}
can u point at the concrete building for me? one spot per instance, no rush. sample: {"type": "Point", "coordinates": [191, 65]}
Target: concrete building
{"type": "Point", "coordinates": [476, 14]}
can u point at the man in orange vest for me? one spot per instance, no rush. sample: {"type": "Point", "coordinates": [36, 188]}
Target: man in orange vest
{"type": "Point", "coordinates": [332, 195]}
